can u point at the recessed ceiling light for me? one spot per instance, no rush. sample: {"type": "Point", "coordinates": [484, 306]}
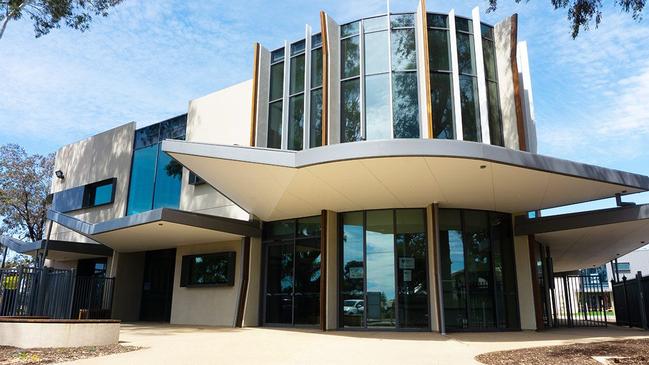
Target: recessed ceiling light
{"type": "Point", "coordinates": [159, 224]}
{"type": "Point", "coordinates": [483, 166]}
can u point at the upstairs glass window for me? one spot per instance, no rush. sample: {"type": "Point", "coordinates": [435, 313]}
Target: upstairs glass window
{"type": "Point", "coordinates": [155, 177]}
{"type": "Point", "coordinates": [491, 78]}
{"type": "Point", "coordinates": [441, 83]}
{"type": "Point", "coordinates": [275, 109]}
{"type": "Point", "coordinates": [470, 106]}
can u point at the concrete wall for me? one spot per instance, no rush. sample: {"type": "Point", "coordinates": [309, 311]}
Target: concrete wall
{"type": "Point", "coordinates": [261, 139]}
{"type": "Point", "coordinates": [333, 49]}
{"type": "Point", "coordinates": [525, 78]}
{"type": "Point", "coordinates": [129, 274]}
{"type": "Point", "coordinates": [524, 277]}
{"type": "Point", "coordinates": [212, 306]}
{"type": "Point", "coordinates": [50, 334]}
{"type": "Point", "coordinates": [103, 156]}
{"type": "Point", "coordinates": [503, 43]}
{"type": "Point", "coordinates": [222, 117]}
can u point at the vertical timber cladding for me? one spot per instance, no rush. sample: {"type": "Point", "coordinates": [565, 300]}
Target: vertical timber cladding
{"type": "Point", "coordinates": [325, 78]}
{"type": "Point", "coordinates": [536, 288]}
{"type": "Point", "coordinates": [323, 270]}
{"type": "Point", "coordinates": [255, 92]}
{"type": "Point", "coordinates": [520, 121]}
{"type": "Point", "coordinates": [429, 111]}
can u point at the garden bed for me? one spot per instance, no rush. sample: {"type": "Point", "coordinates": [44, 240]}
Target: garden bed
{"type": "Point", "coordinates": [34, 332]}
{"type": "Point", "coordinates": [13, 355]}
{"type": "Point", "coordinates": [626, 352]}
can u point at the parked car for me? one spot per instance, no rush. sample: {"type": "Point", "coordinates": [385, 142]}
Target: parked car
{"type": "Point", "coordinates": [353, 307]}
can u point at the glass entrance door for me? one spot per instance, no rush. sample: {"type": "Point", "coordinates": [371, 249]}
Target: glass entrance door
{"type": "Point", "coordinates": [292, 272]}
{"type": "Point", "coordinates": [384, 280]}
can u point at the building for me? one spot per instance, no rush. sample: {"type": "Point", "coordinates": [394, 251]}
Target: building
{"type": "Point", "coordinates": [376, 174]}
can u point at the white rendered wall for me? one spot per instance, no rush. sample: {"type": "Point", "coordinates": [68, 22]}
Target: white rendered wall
{"type": "Point", "coordinates": [222, 117]}
{"type": "Point", "coordinates": [253, 299]}
{"type": "Point", "coordinates": [503, 45]}
{"type": "Point", "coordinates": [212, 306]}
{"type": "Point", "coordinates": [524, 279]}
{"type": "Point", "coordinates": [333, 61]}
{"type": "Point", "coordinates": [526, 94]}
{"type": "Point", "coordinates": [100, 157]}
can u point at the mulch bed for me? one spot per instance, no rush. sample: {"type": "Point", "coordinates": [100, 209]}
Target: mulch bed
{"type": "Point", "coordinates": [633, 351]}
{"type": "Point", "coordinates": [13, 355]}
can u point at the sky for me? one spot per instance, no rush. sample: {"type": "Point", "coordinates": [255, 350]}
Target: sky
{"type": "Point", "coordinates": [147, 59]}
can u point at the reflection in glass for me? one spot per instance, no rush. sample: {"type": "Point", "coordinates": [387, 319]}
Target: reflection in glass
{"type": "Point", "coordinates": [464, 24]}
{"type": "Point", "coordinates": [404, 52]}
{"type": "Point", "coordinates": [350, 57]}
{"type": "Point", "coordinates": [353, 272]}
{"type": "Point", "coordinates": [296, 83]}
{"type": "Point", "coordinates": [377, 107]}
{"type": "Point", "coordinates": [276, 81]}
{"type": "Point", "coordinates": [470, 109]}
{"type": "Point", "coordinates": [295, 122]}
{"type": "Point", "coordinates": [167, 182]}
{"type": "Point", "coordinates": [307, 280]}
{"type": "Point", "coordinates": [316, 68]}
{"type": "Point", "coordinates": [308, 227]}
{"type": "Point", "coordinates": [402, 20]}
{"type": "Point", "coordinates": [452, 267]}
{"type": "Point", "coordinates": [478, 267]}
{"type": "Point", "coordinates": [297, 47]}
{"type": "Point", "coordinates": [442, 105]}
{"type": "Point", "coordinates": [495, 121]}
{"type": "Point", "coordinates": [438, 47]}
{"type": "Point", "coordinates": [349, 29]}
{"type": "Point", "coordinates": [378, 23]}
{"type": "Point", "coordinates": [279, 284]}
{"type": "Point", "coordinates": [477, 262]}
{"type": "Point", "coordinates": [103, 194]}
{"type": "Point", "coordinates": [275, 125]}
{"type": "Point", "coordinates": [315, 134]}
{"type": "Point", "coordinates": [376, 53]}
{"type": "Point", "coordinates": [437, 20]}
{"type": "Point", "coordinates": [147, 136]}
{"type": "Point", "coordinates": [489, 60]}
{"type": "Point", "coordinates": [140, 193]}
{"type": "Point", "coordinates": [405, 105]}
{"type": "Point", "coordinates": [350, 118]}
{"type": "Point", "coordinates": [380, 269]}
{"type": "Point", "coordinates": [465, 54]}
{"type": "Point", "coordinates": [412, 277]}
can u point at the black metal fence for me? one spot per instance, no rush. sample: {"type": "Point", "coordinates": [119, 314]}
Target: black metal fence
{"type": "Point", "coordinates": [577, 301]}
{"type": "Point", "coordinates": [632, 301]}
{"type": "Point", "coordinates": [54, 293]}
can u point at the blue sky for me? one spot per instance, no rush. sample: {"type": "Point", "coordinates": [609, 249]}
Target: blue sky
{"type": "Point", "coordinates": [147, 59]}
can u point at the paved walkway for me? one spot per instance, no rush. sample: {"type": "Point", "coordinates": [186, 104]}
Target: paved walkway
{"type": "Point", "coordinates": [167, 344]}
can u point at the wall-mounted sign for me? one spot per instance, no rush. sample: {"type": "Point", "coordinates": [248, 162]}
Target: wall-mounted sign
{"type": "Point", "coordinates": [407, 263]}
{"type": "Point", "coordinates": [407, 275]}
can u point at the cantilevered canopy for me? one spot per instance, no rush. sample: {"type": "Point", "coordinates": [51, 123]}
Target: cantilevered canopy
{"type": "Point", "coordinates": [159, 229]}
{"type": "Point", "coordinates": [275, 184]}
{"type": "Point", "coordinates": [582, 240]}
{"type": "Point", "coordinates": [60, 250]}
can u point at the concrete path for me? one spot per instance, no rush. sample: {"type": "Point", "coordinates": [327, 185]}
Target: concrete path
{"type": "Point", "coordinates": [167, 344]}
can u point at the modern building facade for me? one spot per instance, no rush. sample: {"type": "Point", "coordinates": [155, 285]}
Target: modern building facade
{"type": "Point", "coordinates": [375, 174]}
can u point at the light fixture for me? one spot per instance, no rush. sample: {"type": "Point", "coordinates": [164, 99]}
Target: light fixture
{"type": "Point", "coordinates": [483, 166]}
{"type": "Point", "coordinates": [160, 224]}
{"type": "Point", "coordinates": [59, 174]}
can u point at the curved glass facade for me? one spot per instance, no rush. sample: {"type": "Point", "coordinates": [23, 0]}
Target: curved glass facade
{"type": "Point", "coordinates": [380, 73]}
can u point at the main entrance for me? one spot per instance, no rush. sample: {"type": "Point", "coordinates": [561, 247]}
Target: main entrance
{"type": "Point", "coordinates": [157, 286]}
{"type": "Point", "coordinates": [292, 272]}
{"type": "Point", "coordinates": [384, 275]}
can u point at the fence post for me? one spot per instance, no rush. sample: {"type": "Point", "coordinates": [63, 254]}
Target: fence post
{"type": "Point", "coordinates": [73, 279]}
{"type": "Point", "coordinates": [641, 299]}
{"type": "Point", "coordinates": [568, 303]}
{"type": "Point", "coordinates": [626, 302]}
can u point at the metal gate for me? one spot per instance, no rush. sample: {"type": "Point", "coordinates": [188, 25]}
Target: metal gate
{"type": "Point", "coordinates": [579, 301]}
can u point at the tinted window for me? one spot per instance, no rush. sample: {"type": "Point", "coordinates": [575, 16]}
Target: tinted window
{"type": "Point", "coordinates": [208, 269]}
{"type": "Point", "coordinates": [405, 105]}
{"type": "Point", "coordinates": [350, 111]}
{"type": "Point", "coordinates": [140, 196]}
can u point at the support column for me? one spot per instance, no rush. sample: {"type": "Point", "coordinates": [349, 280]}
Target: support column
{"type": "Point", "coordinates": [435, 289]}
{"type": "Point", "coordinates": [245, 274]}
{"type": "Point", "coordinates": [536, 288]}
{"type": "Point", "coordinates": [253, 300]}
{"type": "Point", "coordinates": [332, 304]}
{"type": "Point", "coordinates": [524, 283]}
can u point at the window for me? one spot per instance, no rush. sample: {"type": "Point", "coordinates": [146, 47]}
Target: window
{"type": "Point", "coordinates": [155, 177]}
{"type": "Point", "coordinates": [100, 193]}
{"type": "Point", "coordinates": [296, 97]}
{"type": "Point", "coordinates": [214, 269]}
{"type": "Point", "coordinates": [276, 94]}
{"type": "Point", "coordinates": [470, 107]}
{"type": "Point", "coordinates": [350, 92]}
{"type": "Point", "coordinates": [491, 78]}
{"type": "Point", "coordinates": [383, 278]}
{"type": "Point", "coordinates": [85, 196]}
{"type": "Point", "coordinates": [405, 103]}
{"type": "Point", "coordinates": [315, 110]}
{"type": "Point", "coordinates": [477, 269]}
{"type": "Point", "coordinates": [195, 179]}
{"type": "Point", "coordinates": [441, 89]}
